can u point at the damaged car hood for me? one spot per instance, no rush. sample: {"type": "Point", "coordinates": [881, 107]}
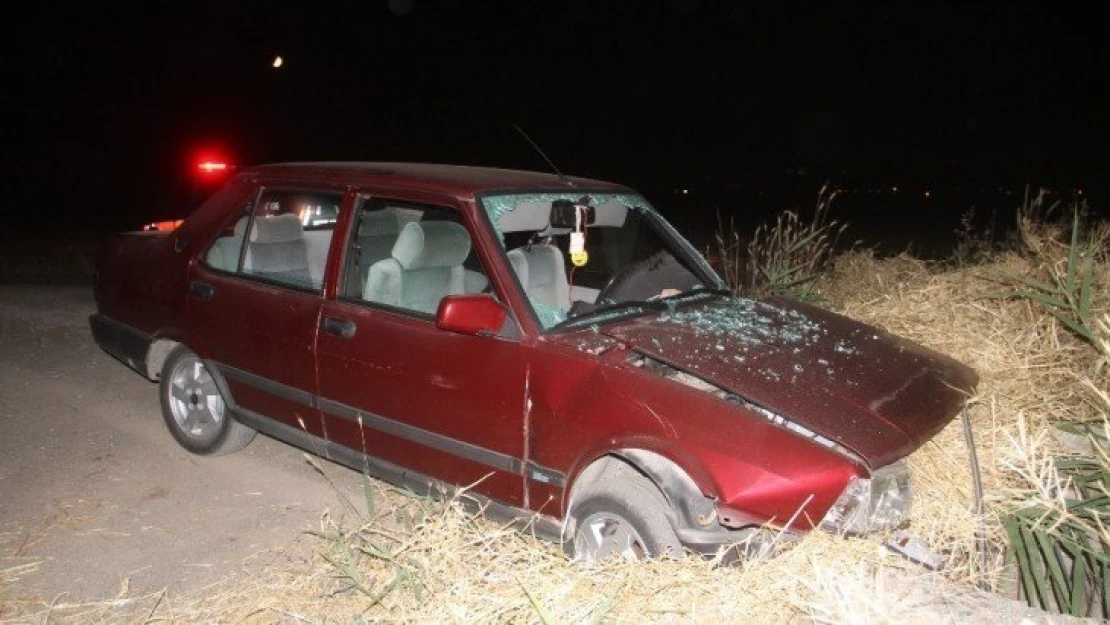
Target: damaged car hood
{"type": "Point", "coordinates": [875, 393]}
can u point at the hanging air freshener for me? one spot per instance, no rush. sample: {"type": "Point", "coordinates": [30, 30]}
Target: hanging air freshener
{"type": "Point", "coordinates": [578, 255]}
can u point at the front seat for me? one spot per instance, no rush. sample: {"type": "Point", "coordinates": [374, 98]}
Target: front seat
{"type": "Point", "coordinates": [543, 274]}
{"type": "Point", "coordinates": [276, 249]}
{"type": "Point", "coordinates": [425, 265]}
{"type": "Point", "coordinates": [377, 233]}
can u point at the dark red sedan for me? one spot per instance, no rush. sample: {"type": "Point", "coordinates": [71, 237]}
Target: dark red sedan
{"type": "Point", "coordinates": [550, 343]}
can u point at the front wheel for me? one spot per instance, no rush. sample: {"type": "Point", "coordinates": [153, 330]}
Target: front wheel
{"type": "Point", "coordinates": [623, 514]}
{"type": "Point", "coordinates": [194, 409]}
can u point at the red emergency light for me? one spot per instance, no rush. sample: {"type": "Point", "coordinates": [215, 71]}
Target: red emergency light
{"type": "Point", "coordinates": [211, 167]}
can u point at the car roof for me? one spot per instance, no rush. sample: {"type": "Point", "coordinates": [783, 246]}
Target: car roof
{"type": "Point", "coordinates": [458, 180]}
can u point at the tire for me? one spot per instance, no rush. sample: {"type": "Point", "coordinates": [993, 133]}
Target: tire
{"type": "Point", "coordinates": [622, 514]}
{"type": "Point", "coordinates": [194, 409]}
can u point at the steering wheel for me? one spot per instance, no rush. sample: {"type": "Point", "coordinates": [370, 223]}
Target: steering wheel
{"type": "Point", "coordinates": [648, 279]}
{"type": "Point", "coordinates": [623, 285]}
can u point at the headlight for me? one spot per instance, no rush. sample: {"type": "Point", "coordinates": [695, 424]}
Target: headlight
{"type": "Point", "coordinates": [871, 504]}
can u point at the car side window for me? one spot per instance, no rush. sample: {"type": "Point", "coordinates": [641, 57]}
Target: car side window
{"type": "Point", "coordinates": [225, 251]}
{"type": "Point", "coordinates": [410, 256]}
{"type": "Point", "coordinates": [281, 237]}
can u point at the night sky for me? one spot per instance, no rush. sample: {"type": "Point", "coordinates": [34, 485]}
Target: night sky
{"type": "Point", "coordinates": [108, 102]}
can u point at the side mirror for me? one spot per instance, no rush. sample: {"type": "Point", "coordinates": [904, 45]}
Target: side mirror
{"type": "Point", "coordinates": [470, 314]}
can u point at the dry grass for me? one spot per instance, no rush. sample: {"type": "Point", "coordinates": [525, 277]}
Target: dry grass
{"type": "Point", "coordinates": [783, 257]}
{"type": "Point", "coordinates": [1035, 373]}
{"type": "Point", "coordinates": [458, 568]}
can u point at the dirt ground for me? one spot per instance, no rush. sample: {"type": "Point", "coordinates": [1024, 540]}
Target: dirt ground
{"type": "Point", "coordinates": [96, 497]}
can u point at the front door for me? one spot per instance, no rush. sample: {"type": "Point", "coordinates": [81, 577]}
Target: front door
{"type": "Point", "coordinates": [396, 387]}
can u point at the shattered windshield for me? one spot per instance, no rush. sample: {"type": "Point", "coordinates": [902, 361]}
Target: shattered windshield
{"type": "Point", "coordinates": [593, 258]}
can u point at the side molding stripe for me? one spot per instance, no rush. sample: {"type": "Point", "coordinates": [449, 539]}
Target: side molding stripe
{"type": "Point", "coordinates": [481, 455]}
{"type": "Point", "coordinates": [283, 391]}
{"type": "Point", "coordinates": [462, 449]}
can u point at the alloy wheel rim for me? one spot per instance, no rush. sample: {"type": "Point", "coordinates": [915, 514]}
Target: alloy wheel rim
{"type": "Point", "coordinates": [603, 535]}
{"type": "Point", "coordinates": [195, 401]}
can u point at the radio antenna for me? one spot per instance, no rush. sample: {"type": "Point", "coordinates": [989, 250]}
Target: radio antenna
{"type": "Point", "coordinates": [562, 178]}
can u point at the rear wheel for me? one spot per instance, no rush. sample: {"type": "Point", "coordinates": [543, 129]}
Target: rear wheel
{"type": "Point", "coordinates": [194, 409]}
{"type": "Point", "coordinates": [622, 514]}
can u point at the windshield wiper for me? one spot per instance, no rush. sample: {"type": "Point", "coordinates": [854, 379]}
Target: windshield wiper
{"type": "Point", "coordinates": [626, 309]}
{"type": "Point", "coordinates": [612, 312]}
{"type": "Point", "coordinates": [695, 294]}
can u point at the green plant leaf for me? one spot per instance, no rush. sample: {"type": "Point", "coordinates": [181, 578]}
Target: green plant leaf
{"type": "Point", "coordinates": [1037, 571]}
{"type": "Point", "coordinates": [1047, 302]}
{"type": "Point", "coordinates": [1073, 252]}
{"type": "Point", "coordinates": [1104, 576]}
{"type": "Point", "coordinates": [1032, 283]}
{"type": "Point", "coordinates": [1099, 504]}
{"type": "Point", "coordinates": [1020, 551]}
{"type": "Point", "coordinates": [1077, 604]}
{"type": "Point", "coordinates": [1086, 286]}
{"type": "Point", "coordinates": [1074, 325]}
{"type": "Point", "coordinates": [1050, 552]}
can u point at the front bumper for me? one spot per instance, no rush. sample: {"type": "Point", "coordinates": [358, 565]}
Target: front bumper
{"type": "Point", "coordinates": [872, 504]}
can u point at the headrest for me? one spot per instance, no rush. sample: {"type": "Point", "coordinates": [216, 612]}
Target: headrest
{"type": "Point", "coordinates": [426, 244]}
{"type": "Point", "coordinates": [240, 229]}
{"type": "Point", "coordinates": [379, 222]}
{"type": "Point", "coordinates": [277, 229]}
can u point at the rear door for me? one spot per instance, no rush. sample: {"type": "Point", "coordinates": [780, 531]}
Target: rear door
{"type": "Point", "coordinates": [255, 296]}
{"type": "Point", "coordinates": [396, 387]}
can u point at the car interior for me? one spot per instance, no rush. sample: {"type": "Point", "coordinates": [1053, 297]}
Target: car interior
{"type": "Point", "coordinates": [537, 244]}
{"type": "Point", "coordinates": [619, 255]}
{"type": "Point", "coordinates": [288, 241]}
{"type": "Point", "coordinates": [410, 257]}
{"type": "Point", "coordinates": [425, 265]}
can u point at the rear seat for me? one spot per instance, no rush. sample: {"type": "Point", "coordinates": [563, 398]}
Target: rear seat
{"type": "Point", "coordinates": [224, 253]}
{"type": "Point", "coordinates": [276, 249]}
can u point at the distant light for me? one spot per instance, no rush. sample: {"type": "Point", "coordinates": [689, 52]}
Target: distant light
{"type": "Point", "coordinates": [211, 167]}
{"type": "Point", "coordinates": [278, 62]}
{"type": "Point", "coordinates": [687, 192]}
{"type": "Point", "coordinates": [1079, 191]}
{"type": "Point", "coordinates": [894, 189]}
{"type": "Point", "coordinates": [163, 226]}
{"type": "Point", "coordinates": [928, 194]}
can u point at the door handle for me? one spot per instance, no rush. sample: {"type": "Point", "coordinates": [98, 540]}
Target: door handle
{"type": "Point", "coordinates": [342, 328]}
{"type": "Point", "coordinates": [202, 290]}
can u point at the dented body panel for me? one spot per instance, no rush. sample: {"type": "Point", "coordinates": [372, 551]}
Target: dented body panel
{"type": "Point", "coordinates": [879, 395]}
{"type": "Point", "coordinates": [755, 411]}
{"type": "Point", "coordinates": [737, 456]}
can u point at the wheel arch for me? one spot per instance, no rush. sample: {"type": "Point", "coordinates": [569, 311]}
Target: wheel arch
{"type": "Point", "coordinates": [162, 345]}
{"type": "Point", "coordinates": [689, 506]}
{"type": "Point", "coordinates": [157, 354]}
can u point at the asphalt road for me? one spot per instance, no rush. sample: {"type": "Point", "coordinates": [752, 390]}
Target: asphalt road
{"type": "Point", "coordinates": [94, 492]}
